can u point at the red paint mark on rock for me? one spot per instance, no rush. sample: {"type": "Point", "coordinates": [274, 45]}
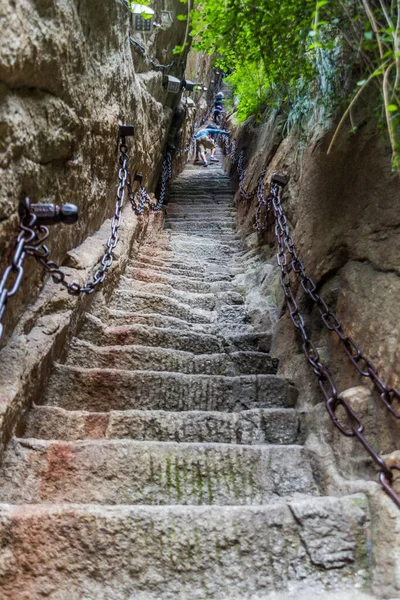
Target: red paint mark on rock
{"type": "Point", "coordinates": [96, 426]}
{"type": "Point", "coordinates": [58, 471]}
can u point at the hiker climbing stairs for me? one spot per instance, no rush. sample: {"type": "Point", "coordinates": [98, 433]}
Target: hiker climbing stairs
{"type": "Point", "coordinates": [166, 457]}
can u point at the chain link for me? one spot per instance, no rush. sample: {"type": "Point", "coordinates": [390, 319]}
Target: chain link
{"type": "Point", "coordinates": [13, 274]}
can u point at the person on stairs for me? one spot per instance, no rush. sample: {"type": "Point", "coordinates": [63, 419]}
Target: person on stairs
{"type": "Point", "coordinates": [204, 141]}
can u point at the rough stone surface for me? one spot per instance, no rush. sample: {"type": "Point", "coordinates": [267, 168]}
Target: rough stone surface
{"type": "Point", "coordinates": [110, 553]}
{"type": "Point", "coordinates": [69, 76]}
{"type": "Point", "coordinates": [102, 489]}
{"type": "Point", "coordinates": [345, 224]}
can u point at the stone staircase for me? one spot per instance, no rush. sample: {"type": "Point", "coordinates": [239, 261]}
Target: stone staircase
{"type": "Point", "coordinates": [166, 459]}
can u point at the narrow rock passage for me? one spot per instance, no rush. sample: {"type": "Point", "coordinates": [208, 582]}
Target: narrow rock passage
{"type": "Point", "coordinates": [166, 459]}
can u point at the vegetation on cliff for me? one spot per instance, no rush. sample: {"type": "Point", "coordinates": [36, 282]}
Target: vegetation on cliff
{"type": "Point", "coordinates": [306, 58]}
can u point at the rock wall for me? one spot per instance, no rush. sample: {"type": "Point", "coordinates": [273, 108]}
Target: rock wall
{"type": "Point", "coordinates": [343, 212]}
{"type": "Point", "coordinates": [69, 75]}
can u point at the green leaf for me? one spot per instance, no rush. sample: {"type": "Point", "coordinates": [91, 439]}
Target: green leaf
{"type": "Point", "coordinates": [368, 35]}
{"type": "Point", "coordinates": [392, 108]}
{"type": "Point", "coordinates": [181, 17]}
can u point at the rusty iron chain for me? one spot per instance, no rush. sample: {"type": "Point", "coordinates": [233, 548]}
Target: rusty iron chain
{"type": "Point", "coordinates": [12, 277]}
{"type": "Point", "coordinates": [124, 183]}
{"type": "Point", "coordinates": [30, 241]}
{"type": "Point", "coordinates": [32, 235]}
{"type": "Point", "coordinates": [137, 204]}
{"type": "Point", "coordinates": [166, 175]}
{"type": "Point", "coordinates": [289, 262]}
{"type": "Point", "coordinates": [261, 223]}
{"type": "Point", "coordinates": [73, 288]}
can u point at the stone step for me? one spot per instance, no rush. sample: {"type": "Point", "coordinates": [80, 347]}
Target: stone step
{"type": "Point", "coordinates": [150, 358]}
{"type": "Point", "coordinates": [172, 262]}
{"type": "Point", "coordinates": [95, 331]}
{"type": "Point", "coordinates": [196, 201]}
{"type": "Point", "coordinates": [131, 472]}
{"type": "Point", "coordinates": [183, 283]}
{"type": "Point", "coordinates": [130, 287]}
{"type": "Point", "coordinates": [200, 273]}
{"type": "Point", "coordinates": [177, 211]}
{"type": "Point", "coordinates": [201, 196]}
{"type": "Point", "coordinates": [156, 303]}
{"type": "Point", "coordinates": [201, 248]}
{"type": "Point", "coordinates": [187, 263]}
{"type": "Point", "coordinates": [257, 426]}
{"type": "Point", "coordinates": [215, 237]}
{"type": "Point", "coordinates": [200, 185]}
{"type": "Point", "coordinates": [217, 321]}
{"type": "Point", "coordinates": [203, 220]}
{"type": "Point", "coordinates": [187, 552]}
{"type": "Point", "coordinates": [220, 326]}
{"type": "Point", "coordinates": [184, 260]}
{"type": "Point", "coordinates": [75, 388]}
{"type": "Point", "coordinates": [200, 227]}
{"type": "Point", "coordinates": [206, 301]}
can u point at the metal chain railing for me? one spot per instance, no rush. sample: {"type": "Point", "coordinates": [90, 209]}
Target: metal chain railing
{"type": "Point", "coordinates": [30, 242]}
{"type": "Point", "coordinates": [34, 232]}
{"type": "Point", "coordinates": [99, 276]}
{"type": "Point", "coordinates": [289, 262]}
{"type": "Point", "coordinates": [138, 205]}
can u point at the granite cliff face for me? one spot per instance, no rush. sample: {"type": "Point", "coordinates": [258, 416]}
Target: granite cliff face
{"type": "Point", "coordinates": [343, 213]}
{"type": "Point", "coordinates": [69, 75]}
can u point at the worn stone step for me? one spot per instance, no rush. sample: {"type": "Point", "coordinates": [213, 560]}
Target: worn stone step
{"type": "Point", "coordinates": [199, 273]}
{"type": "Point", "coordinates": [200, 199]}
{"type": "Point", "coordinates": [202, 248]}
{"type": "Point", "coordinates": [178, 212]}
{"type": "Point", "coordinates": [150, 358]}
{"type": "Point", "coordinates": [171, 261]}
{"type": "Point", "coordinates": [130, 287]}
{"type": "Point", "coordinates": [204, 219]}
{"type": "Point", "coordinates": [225, 317]}
{"type": "Point", "coordinates": [203, 189]}
{"type": "Point", "coordinates": [215, 237]}
{"type": "Point", "coordinates": [179, 282]}
{"type": "Point", "coordinates": [75, 388]}
{"type": "Point", "coordinates": [200, 227]}
{"type": "Point", "coordinates": [257, 426]}
{"type": "Point", "coordinates": [187, 264]}
{"type": "Point", "coordinates": [156, 303]}
{"type": "Point", "coordinates": [206, 301]}
{"type": "Point", "coordinates": [198, 196]}
{"type": "Point", "coordinates": [221, 327]}
{"type": "Point", "coordinates": [187, 552]}
{"type": "Point", "coordinates": [97, 332]}
{"type": "Point", "coordinates": [131, 472]}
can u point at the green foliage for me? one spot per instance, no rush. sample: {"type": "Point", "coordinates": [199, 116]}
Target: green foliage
{"type": "Point", "coordinates": [301, 57]}
{"type": "Point", "coordinates": [251, 87]}
{"type": "Point", "coordinates": [179, 49]}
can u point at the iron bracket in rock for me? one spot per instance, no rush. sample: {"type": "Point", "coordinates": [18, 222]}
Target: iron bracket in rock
{"type": "Point", "coordinates": [126, 131]}
{"type": "Point", "coordinates": [280, 180]}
